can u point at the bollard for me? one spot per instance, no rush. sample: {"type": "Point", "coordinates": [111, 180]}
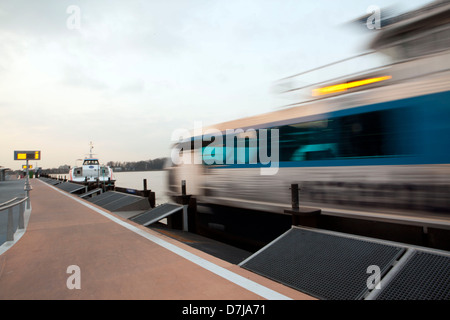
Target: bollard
{"type": "Point", "coordinates": [308, 217]}
{"type": "Point", "coordinates": [149, 194]}
{"type": "Point", "coordinates": [184, 219]}
{"type": "Point", "coordinates": [9, 230]}
{"type": "Point", "coordinates": [183, 187]}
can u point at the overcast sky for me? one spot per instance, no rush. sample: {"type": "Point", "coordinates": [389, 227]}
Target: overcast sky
{"type": "Point", "coordinates": [135, 71]}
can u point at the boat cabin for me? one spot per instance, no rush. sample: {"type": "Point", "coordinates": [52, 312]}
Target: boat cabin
{"type": "Point", "coordinates": [90, 162]}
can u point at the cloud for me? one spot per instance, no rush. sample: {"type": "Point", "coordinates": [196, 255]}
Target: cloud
{"type": "Point", "coordinates": [137, 70]}
{"type": "Point", "coordinates": [73, 76]}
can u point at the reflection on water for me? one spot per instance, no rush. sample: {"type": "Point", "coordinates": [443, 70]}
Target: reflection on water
{"type": "Point", "coordinates": [156, 181]}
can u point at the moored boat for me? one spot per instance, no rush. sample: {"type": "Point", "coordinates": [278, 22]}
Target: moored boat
{"type": "Point", "coordinates": [91, 170]}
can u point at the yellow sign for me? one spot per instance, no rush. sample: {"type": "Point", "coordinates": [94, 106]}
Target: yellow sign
{"type": "Point", "coordinates": [347, 85]}
{"type": "Point", "coordinates": [29, 167]}
{"type": "Point", "coordinates": [27, 155]}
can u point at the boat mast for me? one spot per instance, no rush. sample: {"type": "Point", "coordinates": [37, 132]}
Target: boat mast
{"type": "Point", "coordinates": [91, 146]}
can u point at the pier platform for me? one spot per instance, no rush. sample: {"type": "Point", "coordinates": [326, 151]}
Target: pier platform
{"type": "Point", "coordinates": [117, 259]}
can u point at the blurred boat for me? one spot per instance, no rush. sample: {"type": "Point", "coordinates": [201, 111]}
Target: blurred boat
{"type": "Point", "coordinates": [375, 138]}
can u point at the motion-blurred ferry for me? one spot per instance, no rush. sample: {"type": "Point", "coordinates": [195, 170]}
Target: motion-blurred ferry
{"type": "Point", "coordinates": [91, 170]}
{"type": "Point", "coordinates": [376, 138]}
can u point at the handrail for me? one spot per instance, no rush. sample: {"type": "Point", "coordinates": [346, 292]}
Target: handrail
{"type": "Point", "coordinates": [6, 202]}
{"type": "Point", "coordinates": [21, 223]}
{"type": "Point", "coordinates": [13, 204]}
{"type": "Point", "coordinates": [328, 65]}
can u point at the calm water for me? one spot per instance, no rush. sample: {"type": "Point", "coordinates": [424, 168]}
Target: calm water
{"type": "Point", "coordinates": [156, 181]}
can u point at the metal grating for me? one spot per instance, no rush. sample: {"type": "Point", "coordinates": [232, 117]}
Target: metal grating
{"type": "Point", "coordinates": [70, 187]}
{"type": "Point", "coordinates": [322, 264]}
{"type": "Point", "coordinates": [51, 181]}
{"type": "Point", "coordinates": [117, 201]}
{"type": "Point", "coordinates": [107, 197]}
{"type": "Point", "coordinates": [425, 276]}
{"type": "Point", "coordinates": [122, 202]}
{"type": "Point", "coordinates": [156, 214]}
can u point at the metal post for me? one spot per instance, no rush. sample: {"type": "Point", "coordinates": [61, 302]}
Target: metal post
{"type": "Point", "coordinates": [185, 205]}
{"type": "Point", "coordinates": [302, 216]}
{"type": "Point", "coordinates": [9, 230]}
{"type": "Point", "coordinates": [183, 187]}
{"type": "Point", "coordinates": [145, 184]}
{"type": "Point", "coordinates": [21, 216]}
{"type": "Point", "coordinates": [28, 187]}
{"type": "Point", "coordinates": [294, 196]}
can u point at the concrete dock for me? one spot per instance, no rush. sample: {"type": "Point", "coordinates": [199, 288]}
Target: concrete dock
{"type": "Point", "coordinates": [116, 259]}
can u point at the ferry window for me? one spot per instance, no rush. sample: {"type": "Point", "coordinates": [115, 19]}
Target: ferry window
{"type": "Point", "coordinates": [362, 135]}
{"type": "Point", "coordinates": [373, 134]}
{"type": "Point", "coordinates": [213, 155]}
{"type": "Point", "coordinates": [240, 147]}
{"type": "Point", "coordinates": [314, 140]}
{"type": "Point", "coordinates": [213, 151]}
{"type": "Point", "coordinates": [245, 146]}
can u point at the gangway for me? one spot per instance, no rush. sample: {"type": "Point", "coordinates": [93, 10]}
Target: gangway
{"type": "Point", "coordinates": [156, 214]}
{"type": "Point", "coordinates": [91, 193]}
{"type": "Point", "coordinates": [118, 201]}
{"type": "Point", "coordinates": [337, 266]}
{"type": "Point", "coordinates": [70, 187]}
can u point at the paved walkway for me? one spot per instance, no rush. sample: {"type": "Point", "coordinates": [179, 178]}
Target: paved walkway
{"type": "Point", "coordinates": [117, 259]}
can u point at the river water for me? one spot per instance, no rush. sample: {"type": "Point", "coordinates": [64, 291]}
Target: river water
{"type": "Point", "coordinates": [156, 181]}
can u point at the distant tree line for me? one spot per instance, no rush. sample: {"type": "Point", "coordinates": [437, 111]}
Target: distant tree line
{"type": "Point", "coordinates": [148, 165]}
{"type": "Point", "coordinates": [144, 165]}
{"type": "Point", "coordinates": [64, 169]}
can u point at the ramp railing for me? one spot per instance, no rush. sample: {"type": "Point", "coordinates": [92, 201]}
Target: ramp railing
{"type": "Point", "coordinates": [12, 212]}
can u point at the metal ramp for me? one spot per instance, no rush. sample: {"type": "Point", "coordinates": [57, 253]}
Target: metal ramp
{"type": "Point", "coordinates": [70, 187]}
{"type": "Point", "coordinates": [334, 266]}
{"type": "Point", "coordinates": [424, 276]}
{"type": "Point", "coordinates": [118, 201]}
{"type": "Point", "coordinates": [91, 193]}
{"type": "Point", "coordinates": [156, 214]}
{"type": "Point", "coordinates": [64, 185]}
{"type": "Point", "coordinates": [50, 181]}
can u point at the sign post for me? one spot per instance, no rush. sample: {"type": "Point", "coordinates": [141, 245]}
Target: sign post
{"type": "Point", "coordinates": [27, 155]}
